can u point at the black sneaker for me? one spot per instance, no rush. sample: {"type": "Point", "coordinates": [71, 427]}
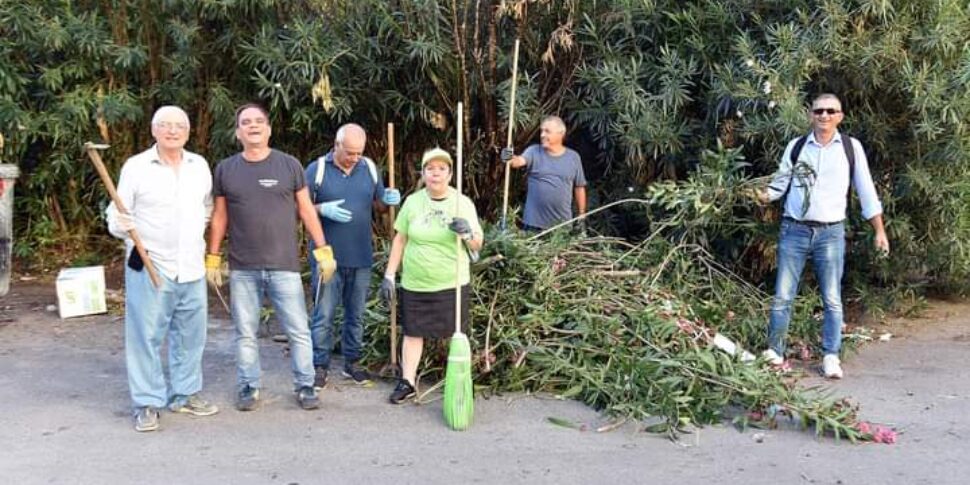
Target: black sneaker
{"type": "Point", "coordinates": [247, 399]}
{"type": "Point", "coordinates": [320, 377]}
{"type": "Point", "coordinates": [356, 373]}
{"type": "Point", "coordinates": [307, 397]}
{"type": "Point", "coordinates": [402, 392]}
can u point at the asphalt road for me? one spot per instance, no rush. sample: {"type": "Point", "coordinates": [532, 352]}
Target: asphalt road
{"type": "Point", "coordinates": [64, 418]}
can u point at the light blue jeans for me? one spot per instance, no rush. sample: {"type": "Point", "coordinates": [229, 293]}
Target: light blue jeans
{"type": "Point", "coordinates": [826, 246]}
{"type": "Point", "coordinates": [285, 291]}
{"type": "Point", "coordinates": [349, 286]}
{"type": "Point", "coordinates": [179, 310]}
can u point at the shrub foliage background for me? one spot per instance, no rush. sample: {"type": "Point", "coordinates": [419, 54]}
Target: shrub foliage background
{"type": "Point", "coordinates": [683, 101]}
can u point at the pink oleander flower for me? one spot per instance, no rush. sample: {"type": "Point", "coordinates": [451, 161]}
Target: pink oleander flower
{"type": "Point", "coordinates": [884, 435]}
{"type": "Point", "coordinates": [878, 434]}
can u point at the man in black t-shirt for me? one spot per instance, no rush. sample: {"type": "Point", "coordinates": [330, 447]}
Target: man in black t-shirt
{"type": "Point", "coordinates": [258, 195]}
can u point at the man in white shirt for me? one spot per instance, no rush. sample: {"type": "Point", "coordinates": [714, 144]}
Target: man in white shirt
{"type": "Point", "coordinates": [167, 191]}
{"type": "Point", "coordinates": [816, 188]}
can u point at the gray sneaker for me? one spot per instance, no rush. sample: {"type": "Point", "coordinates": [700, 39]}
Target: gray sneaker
{"type": "Point", "coordinates": [193, 405]}
{"type": "Point", "coordinates": [307, 397]}
{"type": "Point", "coordinates": [146, 419]}
{"type": "Point", "coordinates": [247, 399]}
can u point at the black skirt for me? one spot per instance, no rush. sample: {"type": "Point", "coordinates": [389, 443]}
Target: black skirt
{"type": "Point", "coordinates": [432, 315]}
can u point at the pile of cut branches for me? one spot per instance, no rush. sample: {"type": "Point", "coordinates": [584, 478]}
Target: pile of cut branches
{"type": "Point", "coordinates": [628, 329]}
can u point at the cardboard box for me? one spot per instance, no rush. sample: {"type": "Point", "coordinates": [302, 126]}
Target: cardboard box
{"type": "Point", "coordinates": [80, 291]}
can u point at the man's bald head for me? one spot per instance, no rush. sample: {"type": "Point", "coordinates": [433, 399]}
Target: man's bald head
{"type": "Point", "coordinates": [348, 145]}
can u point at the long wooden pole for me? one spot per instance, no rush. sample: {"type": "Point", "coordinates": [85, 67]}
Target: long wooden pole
{"type": "Point", "coordinates": [109, 185]}
{"type": "Point", "coordinates": [505, 191]}
{"type": "Point", "coordinates": [390, 231]}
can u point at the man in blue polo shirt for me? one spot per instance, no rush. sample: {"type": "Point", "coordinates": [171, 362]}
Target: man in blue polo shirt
{"type": "Point", "coordinates": [345, 187]}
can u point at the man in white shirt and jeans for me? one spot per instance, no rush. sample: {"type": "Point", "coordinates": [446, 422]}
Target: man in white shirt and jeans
{"type": "Point", "coordinates": [816, 189]}
{"type": "Point", "coordinates": [167, 191]}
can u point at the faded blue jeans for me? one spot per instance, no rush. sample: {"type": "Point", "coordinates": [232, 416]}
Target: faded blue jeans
{"type": "Point", "coordinates": [826, 246]}
{"type": "Point", "coordinates": [349, 287]}
{"type": "Point", "coordinates": [285, 291]}
{"type": "Point", "coordinates": [179, 310]}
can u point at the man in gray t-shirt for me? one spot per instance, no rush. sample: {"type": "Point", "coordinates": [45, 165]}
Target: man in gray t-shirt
{"type": "Point", "coordinates": [259, 193]}
{"type": "Point", "coordinates": [555, 178]}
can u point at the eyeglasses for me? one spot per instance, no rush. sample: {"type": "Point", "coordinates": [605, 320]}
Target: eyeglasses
{"type": "Point", "coordinates": [830, 111]}
{"type": "Point", "coordinates": [168, 125]}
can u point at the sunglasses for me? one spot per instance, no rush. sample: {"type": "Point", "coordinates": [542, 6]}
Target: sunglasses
{"type": "Point", "coordinates": [820, 111]}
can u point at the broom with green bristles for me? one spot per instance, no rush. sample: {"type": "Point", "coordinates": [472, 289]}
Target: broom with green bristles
{"type": "Point", "coordinates": [459, 404]}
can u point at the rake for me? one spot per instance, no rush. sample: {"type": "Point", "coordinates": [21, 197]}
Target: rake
{"type": "Point", "coordinates": [459, 403]}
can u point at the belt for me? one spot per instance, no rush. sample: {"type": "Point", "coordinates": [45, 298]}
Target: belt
{"type": "Point", "coordinates": [812, 223]}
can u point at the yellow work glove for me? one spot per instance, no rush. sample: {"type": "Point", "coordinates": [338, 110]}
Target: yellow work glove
{"type": "Point", "coordinates": [213, 269]}
{"type": "Point", "coordinates": [326, 265]}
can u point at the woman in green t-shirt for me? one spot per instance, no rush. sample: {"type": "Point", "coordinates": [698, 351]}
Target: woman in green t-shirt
{"type": "Point", "coordinates": [425, 247]}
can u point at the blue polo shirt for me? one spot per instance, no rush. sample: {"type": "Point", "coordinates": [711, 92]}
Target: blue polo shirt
{"type": "Point", "coordinates": [351, 241]}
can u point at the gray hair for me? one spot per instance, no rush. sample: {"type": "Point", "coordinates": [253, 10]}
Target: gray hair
{"type": "Point", "coordinates": [338, 139]}
{"type": "Point", "coordinates": [164, 110]}
{"type": "Point", "coordinates": [555, 120]}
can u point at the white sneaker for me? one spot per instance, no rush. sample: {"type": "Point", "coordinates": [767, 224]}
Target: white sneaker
{"type": "Point", "coordinates": [772, 357]}
{"type": "Point", "coordinates": [832, 367]}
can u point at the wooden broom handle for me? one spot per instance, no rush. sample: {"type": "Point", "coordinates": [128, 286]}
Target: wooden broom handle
{"type": "Point", "coordinates": [457, 214]}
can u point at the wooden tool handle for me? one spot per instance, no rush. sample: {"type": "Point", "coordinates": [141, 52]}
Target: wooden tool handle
{"type": "Point", "coordinates": [390, 232]}
{"type": "Point", "coordinates": [133, 234]}
{"type": "Point", "coordinates": [505, 187]}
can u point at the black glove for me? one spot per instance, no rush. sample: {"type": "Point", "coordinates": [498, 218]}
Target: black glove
{"type": "Point", "coordinates": [461, 227]}
{"type": "Point", "coordinates": [134, 261]}
{"type": "Point", "coordinates": [579, 228]}
{"type": "Point", "coordinates": [387, 290]}
{"type": "Point", "coordinates": [506, 154]}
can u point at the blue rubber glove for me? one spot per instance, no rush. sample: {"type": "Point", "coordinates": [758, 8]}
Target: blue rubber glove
{"type": "Point", "coordinates": [391, 197]}
{"type": "Point", "coordinates": [332, 210]}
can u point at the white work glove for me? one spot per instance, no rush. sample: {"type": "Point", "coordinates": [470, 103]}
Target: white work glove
{"type": "Point", "coordinates": [124, 222]}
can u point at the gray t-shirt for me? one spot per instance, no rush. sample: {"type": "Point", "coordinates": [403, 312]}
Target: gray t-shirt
{"type": "Point", "coordinates": [261, 202]}
{"type": "Point", "coordinates": [549, 200]}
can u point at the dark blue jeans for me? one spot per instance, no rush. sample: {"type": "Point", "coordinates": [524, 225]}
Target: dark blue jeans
{"type": "Point", "coordinates": [349, 287]}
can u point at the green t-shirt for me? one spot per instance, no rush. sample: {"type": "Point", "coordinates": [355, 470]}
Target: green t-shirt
{"type": "Point", "coordinates": [429, 255]}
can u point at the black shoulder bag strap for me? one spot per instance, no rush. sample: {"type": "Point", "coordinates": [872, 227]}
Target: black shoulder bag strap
{"type": "Point", "coordinates": [847, 145]}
